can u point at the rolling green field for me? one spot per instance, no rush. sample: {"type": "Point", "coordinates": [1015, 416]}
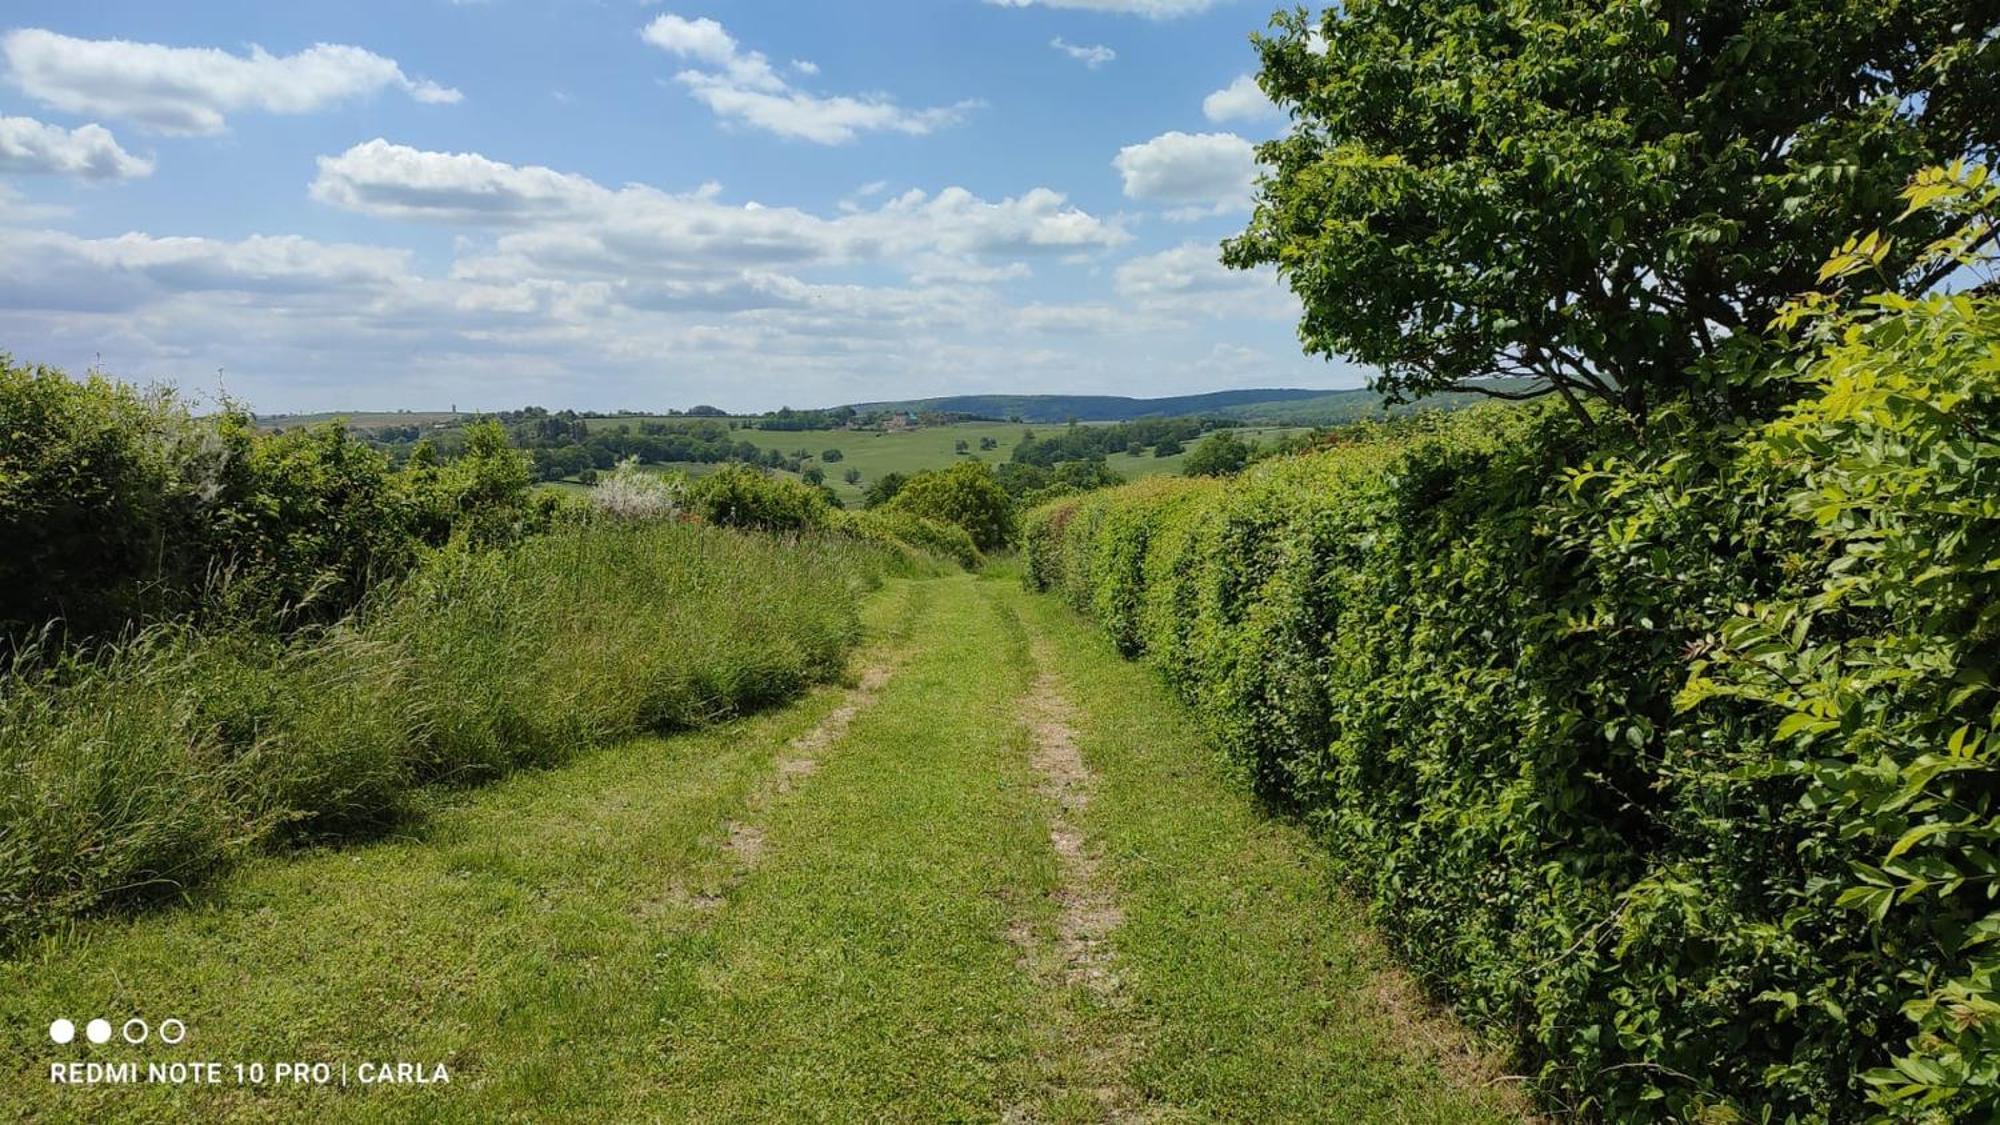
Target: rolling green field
{"type": "Point", "coordinates": [930, 447]}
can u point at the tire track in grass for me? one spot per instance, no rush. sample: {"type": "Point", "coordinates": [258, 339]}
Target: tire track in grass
{"type": "Point", "coordinates": [861, 970]}
{"type": "Point", "coordinates": [742, 840]}
{"type": "Point", "coordinates": [1093, 1032]}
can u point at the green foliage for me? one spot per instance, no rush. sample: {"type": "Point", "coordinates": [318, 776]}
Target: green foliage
{"type": "Point", "coordinates": [743, 497]}
{"type": "Point", "coordinates": [1595, 194]}
{"type": "Point", "coordinates": [1218, 455]}
{"type": "Point", "coordinates": [1674, 760]}
{"type": "Point", "coordinates": [884, 489]}
{"type": "Point", "coordinates": [120, 508]}
{"type": "Point", "coordinates": [133, 772]}
{"type": "Point", "coordinates": [103, 497]}
{"type": "Point", "coordinates": [832, 455]}
{"type": "Point", "coordinates": [967, 495]}
{"type": "Point", "coordinates": [934, 537]}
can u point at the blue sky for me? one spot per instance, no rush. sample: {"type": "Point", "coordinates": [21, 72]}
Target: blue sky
{"type": "Point", "coordinates": [638, 205]}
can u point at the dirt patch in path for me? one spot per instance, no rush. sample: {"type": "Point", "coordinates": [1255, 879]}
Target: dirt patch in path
{"type": "Point", "coordinates": [1088, 911]}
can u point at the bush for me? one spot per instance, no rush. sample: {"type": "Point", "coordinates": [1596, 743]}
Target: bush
{"type": "Point", "coordinates": [628, 492]}
{"type": "Point", "coordinates": [743, 497]}
{"type": "Point", "coordinates": [966, 494]}
{"type": "Point", "coordinates": [1674, 761]}
{"type": "Point", "coordinates": [119, 508]}
{"type": "Point", "coordinates": [135, 772]}
{"type": "Point", "coordinates": [102, 502]}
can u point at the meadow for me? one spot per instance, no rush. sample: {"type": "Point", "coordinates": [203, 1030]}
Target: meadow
{"type": "Point", "coordinates": [876, 453]}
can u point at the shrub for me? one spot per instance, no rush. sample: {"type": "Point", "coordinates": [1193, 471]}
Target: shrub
{"type": "Point", "coordinates": [628, 492]}
{"type": "Point", "coordinates": [119, 508]}
{"type": "Point", "coordinates": [102, 502]}
{"type": "Point", "coordinates": [743, 497]}
{"type": "Point", "coordinates": [966, 494]}
{"type": "Point", "coordinates": [884, 489]}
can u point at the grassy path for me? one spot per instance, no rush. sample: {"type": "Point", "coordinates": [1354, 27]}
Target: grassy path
{"type": "Point", "coordinates": [997, 878]}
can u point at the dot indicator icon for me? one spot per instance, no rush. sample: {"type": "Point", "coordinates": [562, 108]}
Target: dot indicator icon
{"type": "Point", "coordinates": [62, 1031]}
{"type": "Point", "coordinates": [98, 1031]}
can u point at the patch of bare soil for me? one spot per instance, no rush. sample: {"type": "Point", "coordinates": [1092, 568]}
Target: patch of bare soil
{"type": "Point", "coordinates": [1088, 912]}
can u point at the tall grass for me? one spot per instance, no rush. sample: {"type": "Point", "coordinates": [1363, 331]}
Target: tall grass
{"type": "Point", "coordinates": [136, 771]}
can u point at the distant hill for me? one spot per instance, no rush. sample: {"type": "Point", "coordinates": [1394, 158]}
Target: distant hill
{"type": "Point", "coordinates": [1104, 408]}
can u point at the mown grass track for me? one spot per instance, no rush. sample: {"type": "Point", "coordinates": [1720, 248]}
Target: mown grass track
{"type": "Point", "coordinates": [763, 922]}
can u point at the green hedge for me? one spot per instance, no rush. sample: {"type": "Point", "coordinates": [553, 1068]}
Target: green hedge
{"type": "Point", "coordinates": [1672, 760]}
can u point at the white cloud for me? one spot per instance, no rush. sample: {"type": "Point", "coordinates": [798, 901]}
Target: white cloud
{"type": "Point", "coordinates": [193, 89]}
{"type": "Point", "coordinates": [805, 66]}
{"type": "Point", "coordinates": [743, 87]}
{"type": "Point", "coordinates": [567, 223]}
{"type": "Point", "coordinates": [1157, 9]}
{"type": "Point", "coordinates": [1190, 280]}
{"type": "Point", "coordinates": [397, 181]}
{"type": "Point", "coordinates": [1241, 100]}
{"type": "Point", "coordinates": [54, 270]}
{"type": "Point", "coordinates": [1090, 56]}
{"type": "Point", "coordinates": [1201, 173]}
{"type": "Point", "coordinates": [87, 152]}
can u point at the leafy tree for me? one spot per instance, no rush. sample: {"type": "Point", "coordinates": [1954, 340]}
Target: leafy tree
{"type": "Point", "coordinates": [1218, 455]}
{"type": "Point", "coordinates": [486, 491]}
{"type": "Point", "coordinates": [851, 476]}
{"type": "Point", "coordinates": [961, 446]}
{"type": "Point", "coordinates": [1596, 195]}
{"type": "Point", "coordinates": [884, 489]}
{"type": "Point", "coordinates": [988, 443]}
{"type": "Point", "coordinates": [813, 474]}
{"type": "Point", "coordinates": [831, 455]}
{"type": "Point", "coordinates": [1169, 448]}
{"type": "Point", "coordinates": [966, 494]}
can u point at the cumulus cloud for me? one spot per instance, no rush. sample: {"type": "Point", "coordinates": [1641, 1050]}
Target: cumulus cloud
{"type": "Point", "coordinates": [1198, 173]}
{"type": "Point", "coordinates": [54, 270]}
{"type": "Point", "coordinates": [565, 222]}
{"type": "Point", "coordinates": [1190, 280]}
{"type": "Point", "coordinates": [1157, 9]}
{"type": "Point", "coordinates": [87, 152]}
{"type": "Point", "coordinates": [743, 87]}
{"type": "Point", "coordinates": [1090, 56]}
{"type": "Point", "coordinates": [193, 89]}
{"type": "Point", "coordinates": [1241, 100]}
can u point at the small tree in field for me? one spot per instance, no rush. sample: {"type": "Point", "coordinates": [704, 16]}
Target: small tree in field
{"type": "Point", "coordinates": [1597, 195]}
{"type": "Point", "coordinates": [1218, 455]}
{"type": "Point", "coordinates": [966, 494]}
{"type": "Point", "coordinates": [851, 476]}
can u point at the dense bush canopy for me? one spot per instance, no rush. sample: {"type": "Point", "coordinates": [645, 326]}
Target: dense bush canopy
{"type": "Point", "coordinates": [966, 494]}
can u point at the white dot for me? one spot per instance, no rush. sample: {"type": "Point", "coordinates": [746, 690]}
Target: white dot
{"type": "Point", "coordinates": [98, 1031]}
{"type": "Point", "coordinates": [62, 1031]}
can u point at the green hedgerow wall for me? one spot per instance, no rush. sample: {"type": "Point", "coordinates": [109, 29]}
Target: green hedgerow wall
{"type": "Point", "coordinates": [1673, 760]}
